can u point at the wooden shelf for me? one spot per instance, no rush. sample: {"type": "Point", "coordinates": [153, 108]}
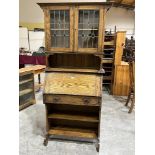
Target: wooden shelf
{"type": "Point", "coordinates": [106, 77]}
{"type": "Point", "coordinates": [25, 81]}
{"type": "Point", "coordinates": [107, 71]}
{"type": "Point", "coordinates": [74, 117]}
{"type": "Point", "coordinates": [72, 132]}
{"type": "Point", "coordinates": [107, 61]}
{"type": "Point", "coordinates": [109, 43]}
{"type": "Point", "coordinates": [105, 67]}
{"type": "Point", "coordinates": [108, 53]}
{"type": "Point", "coordinates": [109, 35]}
{"type": "Point", "coordinates": [26, 91]}
{"type": "Point", "coordinates": [109, 49]}
{"type": "Point", "coordinates": [24, 105]}
{"type": "Point", "coordinates": [71, 70]}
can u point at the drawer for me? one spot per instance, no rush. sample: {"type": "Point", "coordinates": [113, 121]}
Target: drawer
{"type": "Point", "coordinates": [71, 99]}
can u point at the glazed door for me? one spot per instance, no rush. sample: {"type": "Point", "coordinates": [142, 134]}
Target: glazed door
{"type": "Point", "coordinates": [59, 29]}
{"type": "Point", "coordinates": [89, 26]}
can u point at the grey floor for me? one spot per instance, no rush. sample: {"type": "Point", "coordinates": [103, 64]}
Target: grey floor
{"type": "Point", "coordinates": [116, 137]}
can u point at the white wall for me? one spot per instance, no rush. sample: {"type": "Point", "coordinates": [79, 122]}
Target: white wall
{"type": "Point", "coordinates": [23, 38]}
{"type": "Point", "coordinates": [30, 11]}
{"type": "Point", "coordinates": [123, 19]}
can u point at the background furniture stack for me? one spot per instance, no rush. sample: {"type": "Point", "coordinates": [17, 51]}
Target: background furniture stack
{"type": "Point", "coordinates": [108, 59]}
{"type": "Point", "coordinates": [26, 89]}
{"type": "Point", "coordinates": [129, 56]}
{"type": "Point", "coordinates": [121, 68]}
{"type": "Point", "coordinates": [36, 70]}
{"type": "Point", "coordinates": [112, 56]}
{"type": "Point", "coordinates": [72, 95]}
{"type": "Point", "coordinates": [131, 93]}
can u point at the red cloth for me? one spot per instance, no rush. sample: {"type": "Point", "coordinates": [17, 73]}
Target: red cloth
{"type": "Point", "coordinates": [34, 60]}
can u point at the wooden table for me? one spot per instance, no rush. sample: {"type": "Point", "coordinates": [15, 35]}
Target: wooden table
{"type": "Point", "coordinates": [36, 69]}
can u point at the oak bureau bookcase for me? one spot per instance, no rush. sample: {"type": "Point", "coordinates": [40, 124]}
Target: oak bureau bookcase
{"type": "Point", "coordinates": [72, 94]}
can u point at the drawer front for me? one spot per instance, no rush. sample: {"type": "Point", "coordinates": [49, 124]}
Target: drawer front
{"type": "Point", "coordinates": [74, 100]}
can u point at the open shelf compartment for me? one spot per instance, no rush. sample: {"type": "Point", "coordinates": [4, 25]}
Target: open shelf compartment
{"type": "Point", "coordinates": [73, 120]}
{"type": "Point", "coordinates": [73, 62]}
{"type": "Point", "coordinates": [73, 133]}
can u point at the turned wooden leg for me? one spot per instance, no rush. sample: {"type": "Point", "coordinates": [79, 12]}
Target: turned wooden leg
{"type": "Point", "coordinates": [39, 79]}
{"type": "Point", "coordinates": [97, 145]}
{"type": "Point", "coordinates": [132, 104]}
{"type": "Point", "coordinates": [128, 99]}
{"type": "Point", "coordinates": [46, 140]}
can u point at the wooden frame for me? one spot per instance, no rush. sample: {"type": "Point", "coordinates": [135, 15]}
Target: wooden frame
{"type": "Point", "coordinates": [47, 28]}
{"type": "Point", "coordinates": [101, 28]}
{"type": "Point", "coordinates": [74, 28]}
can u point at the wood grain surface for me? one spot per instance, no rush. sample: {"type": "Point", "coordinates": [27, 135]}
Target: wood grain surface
{"type": "Point", "coordinates": [72, 84]}
{"type": "Point", "coordinates": [35, 69]}
{"type": "Point", "coordinates": [73, 132]}
{"type": "Point", "coordinates": [85, 118]}
{"type": "Point", "coordinates": [121, 79]}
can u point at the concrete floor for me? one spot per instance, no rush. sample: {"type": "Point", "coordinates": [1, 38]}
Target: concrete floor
{"type": "Point", "coordinates": [117, 131]}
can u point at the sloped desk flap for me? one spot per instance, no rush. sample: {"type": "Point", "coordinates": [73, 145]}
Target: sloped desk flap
{"type": "Point", "coordinates": [72, 84]}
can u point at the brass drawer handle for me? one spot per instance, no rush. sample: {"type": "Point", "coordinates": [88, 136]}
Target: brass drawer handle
{"type": "Point", "coordinates": [56, 99]}
{"type": "Point", "coordinates": [86, 100]}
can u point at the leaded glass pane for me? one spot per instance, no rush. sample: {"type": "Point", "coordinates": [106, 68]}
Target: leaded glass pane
{"type": "Point", "coordinates": [60, 28]}
{"type": "Point", "coordinates": [88, 28]}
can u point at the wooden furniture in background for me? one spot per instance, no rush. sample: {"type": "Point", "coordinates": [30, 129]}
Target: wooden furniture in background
{"type": "Point", "coordinates": [112, 55]}
{"type": "Point", "coordinates": [131, 94]}
{"type": "Point", "coordinates": [120, 43]}
{"type": "Point", "coordinates": [26, 89]}
{"type": "Point", "coordinates": [121, 82]}
{"type": "Point", "coordinates": [37, 70]}
{"type": "Point", "coordinates": [108, 59]}
{"type": "Point", "coordinates": [129, 56]}
{"type": "Point", "coordinates": [74, 35]}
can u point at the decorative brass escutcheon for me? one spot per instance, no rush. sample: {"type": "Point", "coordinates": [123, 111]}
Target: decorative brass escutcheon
{"type": "Point", "coordinates": [86, 100]}
{"type": "Point", "coordinates": [56, 99]}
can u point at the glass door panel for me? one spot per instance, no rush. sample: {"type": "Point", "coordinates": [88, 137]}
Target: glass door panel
{"type": "Point", "coordinates": [60, 28]}
{"type": "Point", "coordinates": [88, 27]}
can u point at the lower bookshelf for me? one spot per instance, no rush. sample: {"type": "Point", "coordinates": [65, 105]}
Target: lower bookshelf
{"type": "Point", "coordinates": [73, 132]}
